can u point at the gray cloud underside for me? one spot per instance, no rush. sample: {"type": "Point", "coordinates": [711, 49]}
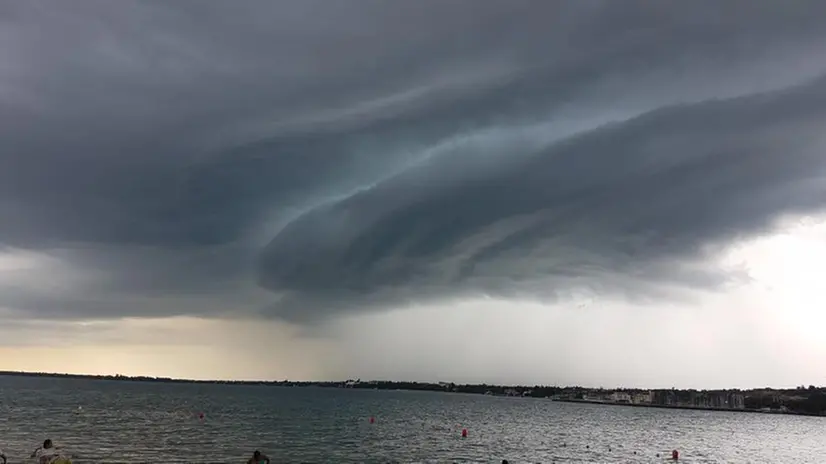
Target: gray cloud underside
{"type": "Point", "coordinates": [361, 155]}
{"type": "Point", "coordinates": [633, 199]}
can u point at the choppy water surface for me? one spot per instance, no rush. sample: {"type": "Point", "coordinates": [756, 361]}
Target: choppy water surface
{"type": "Point", "coordinates": [151, 422]}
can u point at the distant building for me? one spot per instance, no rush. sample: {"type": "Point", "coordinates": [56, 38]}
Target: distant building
{"type": "Point", "coordinates": [665, 398]}
{"type": "Point", "coordinates": [700, 399]}
{"type": "Point", "coordinates": [737, 401]}
{"type": "Point", "coordinates": [718, 400]}
{"type": "Point", "coordinates": [642, 398]}
{"type": "Point", "coordinates": [620, 397]}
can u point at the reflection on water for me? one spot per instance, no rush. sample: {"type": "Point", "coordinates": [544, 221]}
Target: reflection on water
{"type": "Point", "coordinates": [152, 422]}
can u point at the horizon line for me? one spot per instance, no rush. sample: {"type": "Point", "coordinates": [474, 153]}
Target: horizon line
{"type": "Point", "coordinates": [139, 378]}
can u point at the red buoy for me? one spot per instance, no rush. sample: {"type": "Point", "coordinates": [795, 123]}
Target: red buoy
{"type": "Point", "coordinates": [201, 416]}
{"type": "Point", "coordinates": [675, 455]}
{"type": "Point", "coordinates": [372, 420]}
{"type": "Point", "coordinates": [464, 433]}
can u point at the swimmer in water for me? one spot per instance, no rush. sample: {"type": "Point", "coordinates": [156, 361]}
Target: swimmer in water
{"type": "Point", "coordinates": [46, 453]}
{"type": "Point", "coordinates": [2, 456]}
{"type": "Point", "coordinates": [258, 458]}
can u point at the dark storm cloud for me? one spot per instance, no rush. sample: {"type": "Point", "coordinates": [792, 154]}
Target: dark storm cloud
{"type": "Point", "coordinates": [635, 198]}
{"type": "Point", "coordinates": [393, 152]}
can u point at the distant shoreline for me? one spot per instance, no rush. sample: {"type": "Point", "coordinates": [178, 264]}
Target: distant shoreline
{"type": "Point", "coordinates": [128, 378]}
{"type": "Point", "coordinates": [683, 407]}
{"type": "Point", "coordinates": [800, 401]}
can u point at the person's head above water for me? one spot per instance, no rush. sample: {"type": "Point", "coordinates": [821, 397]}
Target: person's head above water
{"type": "Point", "coordinates": [259, 458]}
{"type": "Point", "coordinates": [47, 443]}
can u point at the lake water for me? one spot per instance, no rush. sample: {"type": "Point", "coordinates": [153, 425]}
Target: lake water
{"type": "Point", "coordinates": [130, 422]}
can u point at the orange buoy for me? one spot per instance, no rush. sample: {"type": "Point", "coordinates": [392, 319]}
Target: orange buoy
{"type": "Point", "coordinates": [464, 433]}
{"type": "Point", "coordinates": [675, 455]}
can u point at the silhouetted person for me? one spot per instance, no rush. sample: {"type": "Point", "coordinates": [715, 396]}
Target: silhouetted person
{"type": "Point", "coordinates": [258, 458]}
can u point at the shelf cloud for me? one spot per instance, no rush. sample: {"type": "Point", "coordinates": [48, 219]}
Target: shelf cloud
{"type": "Point", "coordinates": [308, 160]}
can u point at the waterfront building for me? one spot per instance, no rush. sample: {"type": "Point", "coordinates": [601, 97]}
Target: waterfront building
{"type": "Point", "coordinates": [737, 401]}
{"type": "Point", "coordinates": [665, 398]}
{"type": "Point", "coordinates": [620, 397]}
{"type": "Point", "coordinates": [643, 398]}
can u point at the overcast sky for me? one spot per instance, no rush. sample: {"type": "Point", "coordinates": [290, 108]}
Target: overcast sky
{"type": "Point", "coordinates": [585, 192]}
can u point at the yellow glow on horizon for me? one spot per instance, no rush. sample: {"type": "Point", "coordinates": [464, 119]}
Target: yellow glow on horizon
{"type": "Point", "coordinates": [180, 347]}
